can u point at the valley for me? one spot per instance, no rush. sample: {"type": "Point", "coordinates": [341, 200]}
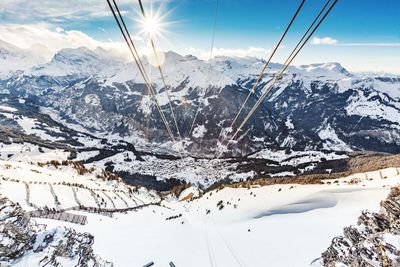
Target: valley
{"type": "Point", "coordinates": [85, 161]}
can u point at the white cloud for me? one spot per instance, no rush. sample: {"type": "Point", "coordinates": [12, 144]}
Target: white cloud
{"type": "Point", "coordinates": [54, 11]}
{"type": "Point", "coordinates": [323, 41]}
{"type": "Point", "coordinates": [330, 41]}
{"type": "Point", "coordinates": [46, 40]}
{"type": "Point", "coordinates": [59, 30]}
{"type": "Point", "coordinates": [259, 52]}
{"type": "Point", "coordinates": [51, 40]}
{"type": "Point", "coordinates": [371, 44]}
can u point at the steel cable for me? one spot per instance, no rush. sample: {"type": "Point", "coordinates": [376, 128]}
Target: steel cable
{"type": "Point", "coordinates": [279, 74]}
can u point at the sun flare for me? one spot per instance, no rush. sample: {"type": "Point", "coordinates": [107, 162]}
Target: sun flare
{"type": "Point", "coordinates": [153, 22]}
{"type": "Point", "coordinates": [151, 25]}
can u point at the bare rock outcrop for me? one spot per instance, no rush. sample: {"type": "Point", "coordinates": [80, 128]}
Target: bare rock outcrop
{"type": "Point", "coordinates": [23, 240]}
{"type": "Point", "coordinates": [374, 241]}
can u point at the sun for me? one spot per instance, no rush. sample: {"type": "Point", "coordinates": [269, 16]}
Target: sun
{"type": "Point", "coordinates": [152, 25]}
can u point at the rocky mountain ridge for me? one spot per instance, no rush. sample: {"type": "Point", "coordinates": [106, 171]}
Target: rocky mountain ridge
{"type": "Point", "coordinates": [318, 106]}
{"type": "Point", "coordinates": [374, 241]}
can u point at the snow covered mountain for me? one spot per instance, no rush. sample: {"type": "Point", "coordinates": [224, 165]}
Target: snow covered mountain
{"type": "Point", "coordinates": [28, 134]}
{"type": "Point", "coordinates": [14, 59]}
{"type": "Point", "coordinates": [318, 106]}
{"type": "Point", "coordinates": [80, 62]}
{"type": "Point", "coordinates": [84, 160]}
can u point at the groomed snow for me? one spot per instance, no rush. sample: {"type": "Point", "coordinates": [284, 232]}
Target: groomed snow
{"type": "Point", "coordinates": [279, 225]}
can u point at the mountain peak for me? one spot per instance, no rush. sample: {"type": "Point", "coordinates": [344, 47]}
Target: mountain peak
{"type": "Point", "coordinates": [172, 56]}
{"type": "Point", "coordinates": [9, 47]}
{"type": "Point", "coordinates": [80, 61]}
{"type": "Point", "coordinates": [191, 57]}
{"type": "Point", "coordinates": [72, 54]}
{"type": "Point", "coordinates": [331, 70]}
{"type": "Point", "coordinates": [14, 58]}
{"type": "Point", "coordinates": [332, 66]}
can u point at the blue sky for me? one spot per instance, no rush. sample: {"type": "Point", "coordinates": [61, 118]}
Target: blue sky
{"type": "Point", "coordinates": [361, 35]}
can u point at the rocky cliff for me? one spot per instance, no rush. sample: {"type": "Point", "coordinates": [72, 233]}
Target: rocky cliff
{"type": "Point", "coordinates": [23, 241]}
{"type": "Point", "coordinates": [374, 241]}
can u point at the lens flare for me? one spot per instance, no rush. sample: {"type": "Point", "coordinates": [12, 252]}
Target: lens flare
{"type": "Point", "coordinates": [156, 59]}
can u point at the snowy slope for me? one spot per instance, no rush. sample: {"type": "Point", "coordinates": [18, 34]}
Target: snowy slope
{"type": "Point", "coordinates": [226, 227]}
{"type": "Point", "coordinates": [33, 185]}
{"type": "Point", "coordinates": [296, 220]}
{"type": "Point", "coordinates": [374, 240]}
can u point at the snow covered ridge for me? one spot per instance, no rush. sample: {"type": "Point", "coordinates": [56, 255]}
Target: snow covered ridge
{"type": "Point", "coordinates": [83, 62]}
{"type": "Point", "coordinates": [374, 241]}
{"type": "Point", "coordinates": [312, 108]}
{"type": "Point", "coordinates": [318, 106]}
{"type": "Point", "coordinates": [63, 186]}
{"type": "Point", "coordinates": [23, 242]}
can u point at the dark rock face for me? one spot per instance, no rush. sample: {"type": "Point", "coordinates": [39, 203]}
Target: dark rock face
{"type": "Point", "coordinates": [16, 231]}
{"type": "Point", "coordinates": [21, 237]}
{"type": "Point", "coordinates": [374, 241]}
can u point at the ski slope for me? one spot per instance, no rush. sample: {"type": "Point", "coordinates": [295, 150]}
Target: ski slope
{"type": "Point", "coordinates": [278, 225]}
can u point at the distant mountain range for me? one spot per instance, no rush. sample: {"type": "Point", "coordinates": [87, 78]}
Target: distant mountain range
{"type": "Point", "coordinates": [318, 106]}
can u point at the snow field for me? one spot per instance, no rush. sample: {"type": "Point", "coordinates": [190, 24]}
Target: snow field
{"type": "Point", "coordinates": [85, 197]}
{"type": "Point", "coordinates": [105, 200]}
{"type": "Point", "coordinates": [130, 200]}
{"type": "Point", "coordinates": [90, 190]}
{"type": "Point", "coordinates": [117, 200]}
{"type": "Point", "coordinates": [41, 196]}
{"type": "Point", "coordinates": [27, 152]}
{"type": "Point", "coordinates": [65, 196]}
{"type": "Point", "coordinates": [14, 191]}
{"type": "Point", "coordinates": [7, 109]}
{"type": "Point", "coordinates": [260, 226]}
